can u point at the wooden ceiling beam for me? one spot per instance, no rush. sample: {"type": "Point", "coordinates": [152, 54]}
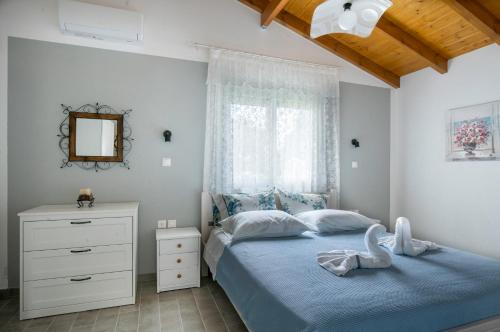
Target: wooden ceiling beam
{"type": "Point", "coordinates": [329, 43]}
{"type": "Point", "coordinates": [433, 58]}
{"type": "Point", "coordinates": [271, 11]}
{"type": "Point", "coordinates": [478, 16]}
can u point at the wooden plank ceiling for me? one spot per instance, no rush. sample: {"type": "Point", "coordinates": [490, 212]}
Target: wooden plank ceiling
{"type": "Point", "coordinates": [412, 34]}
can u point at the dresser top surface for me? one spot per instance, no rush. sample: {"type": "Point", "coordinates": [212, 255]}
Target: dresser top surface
{"type": "Point", "coordinates": [176, 233]}
{"type": "Point", "coordinates": [73, 209]}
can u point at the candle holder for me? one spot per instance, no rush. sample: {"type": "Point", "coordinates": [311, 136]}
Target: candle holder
{"type": "Point", "coordinates": [85, 199]}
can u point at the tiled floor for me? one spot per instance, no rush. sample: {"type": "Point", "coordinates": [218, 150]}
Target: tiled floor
{"type": "Point", "coordinates": [190, 310]}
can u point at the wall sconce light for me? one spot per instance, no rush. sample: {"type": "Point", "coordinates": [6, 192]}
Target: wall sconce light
{"type": "Point", "coordinates": [355, 142]}
{"type": "Point", "coordinates": [168, 135]}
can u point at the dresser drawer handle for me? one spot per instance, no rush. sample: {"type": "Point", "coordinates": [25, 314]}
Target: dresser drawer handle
{"type": "Point", "coordinates": [79, 251]}
{"type": "Point", "coordinates": [179, 260]}
{"type": "Point", "coordinates": [80, 222]}
{"type": "Point", "coordinates": [81, 279]}
{"type": "Point", "coordinates": [179, 245]}
{"type": "Point", "coordinates": [179, 276]}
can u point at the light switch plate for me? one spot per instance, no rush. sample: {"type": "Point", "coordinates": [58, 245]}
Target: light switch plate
{"type": "Point", "coordinates": [354, 164]}
{"type": "Point", "coordinates": [166, 162]}
{"type": "Point", "coordinates": [162, 223]}
{"type": "Point", "coordinates": [172, 223]}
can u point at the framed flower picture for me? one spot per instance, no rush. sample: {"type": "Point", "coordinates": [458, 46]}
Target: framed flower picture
{"type": "Point", "coordinates": [473, 132]}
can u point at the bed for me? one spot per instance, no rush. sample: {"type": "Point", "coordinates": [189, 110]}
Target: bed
{"type": "Point", "coordinates": [277, 285]}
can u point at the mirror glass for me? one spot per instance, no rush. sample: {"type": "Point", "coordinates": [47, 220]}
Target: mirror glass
{"type": "Point", "coordinates": [96, 137]}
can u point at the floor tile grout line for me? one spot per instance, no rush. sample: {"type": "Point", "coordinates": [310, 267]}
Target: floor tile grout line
{"type": "Point", "coordinates": [73, 323]}
{"type": "Point", "coordinates": [159, 309]}
{"type": "Point", "coordinates": [52, 322]}
{"type": "Point", "coordinates": [219, 310]}
{"type": "Point", "coordinates": [157, 306]}
{"type": "Point", "coordinates": [95, 320]}
{"type": "Point", "coordinates": [6, 302]}
{"type": "Point", "coordinates": [179, 312]}
{"type": "Point", "coordinates": [140, 309]}
{"type": "Point", "coordinates": [198, 308]}
{"type": "Point", "coordinates": [118, 316]}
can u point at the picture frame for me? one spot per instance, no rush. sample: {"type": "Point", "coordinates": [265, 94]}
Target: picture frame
{"type": "Point", "coordinates": [473, 132]}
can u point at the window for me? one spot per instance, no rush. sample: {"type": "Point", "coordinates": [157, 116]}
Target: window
{"type": "Point", "coordinates": [269, 123]}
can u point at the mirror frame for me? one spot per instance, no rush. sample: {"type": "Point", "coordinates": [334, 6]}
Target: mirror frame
{"type": "Point", "coordinates": [73, 116]}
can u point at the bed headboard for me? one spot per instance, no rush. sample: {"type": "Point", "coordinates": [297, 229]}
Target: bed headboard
{"type": "Point", "coordinates": [206, 215]}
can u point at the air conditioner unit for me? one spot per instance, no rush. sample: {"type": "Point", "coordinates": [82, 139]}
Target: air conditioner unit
{"type": "Point", "coordinates": [99, 22]}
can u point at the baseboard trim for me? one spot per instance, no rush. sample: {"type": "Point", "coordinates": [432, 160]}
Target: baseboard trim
{"type": "Point", "coordinates": [4, 283]}
{"type": "Point", "coordinates": [9, 293]}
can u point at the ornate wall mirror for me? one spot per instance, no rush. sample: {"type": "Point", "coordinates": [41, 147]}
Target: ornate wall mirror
{"type": "Point", "coordinates": [95, 137]}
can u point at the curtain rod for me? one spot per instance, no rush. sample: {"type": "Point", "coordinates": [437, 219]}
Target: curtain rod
{"type": "Point", "coordinates": [266, 56]}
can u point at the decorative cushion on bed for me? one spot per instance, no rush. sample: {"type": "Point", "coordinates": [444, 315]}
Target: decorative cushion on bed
{"type": "Point", "coordinates": [219, 210]}
{"type": "Point", "coordinates": [236, 203]}
{"type": "Point", "coordinates": [293, 203]}
{"type": "Point", "coordinates": [263, 224]}
{"type": "Point", "coordinates": [330, 221]}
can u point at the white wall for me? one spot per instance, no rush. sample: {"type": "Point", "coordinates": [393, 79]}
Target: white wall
{"type": "Point", "coordinates": [170, 29]}
{"type": "Point", "coordinates": [453, 203]}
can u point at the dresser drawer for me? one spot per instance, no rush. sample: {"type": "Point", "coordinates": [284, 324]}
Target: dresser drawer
{"type": "Point", "coordinates": [58, 292]}
{"type": "Point", "coordinates": [56, 234]}
{"type": "Point", "coordinates": [76, 261]}
{"type": "Point", "coordinates": [179, 245]}
{"type": "Point", "coordinates": [178, 277]}
{"type": "Point", "coordinates": [178, 261]}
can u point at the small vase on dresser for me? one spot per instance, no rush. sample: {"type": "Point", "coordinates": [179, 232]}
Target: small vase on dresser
{"type": "Point", "coordinates": [177, 258]}
{"type": "Point", "coordinates": [75, 259]}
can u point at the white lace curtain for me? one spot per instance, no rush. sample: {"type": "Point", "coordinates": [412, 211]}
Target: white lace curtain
{"type": "Point", "coordinates": [270, 122]}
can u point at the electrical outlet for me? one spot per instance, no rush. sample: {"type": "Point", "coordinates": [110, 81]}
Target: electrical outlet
{"type": "Point", "coordinates": [162, 223]}
{"type": "Point", "coordinates": [354, 164]}
{"type": "Point", "coordinates": [172, 223]}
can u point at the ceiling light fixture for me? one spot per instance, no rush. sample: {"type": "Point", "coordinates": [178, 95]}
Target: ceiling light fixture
{"type": "Point", "coordinates": [357, 17]}
{"type": "Point", "coordinates": [348, 18]}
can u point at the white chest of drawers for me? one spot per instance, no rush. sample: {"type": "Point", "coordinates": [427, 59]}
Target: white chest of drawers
{"type": "Point", "coordinates": [178, 258]}
{"type": "Point", "coordinates": [74, 259]}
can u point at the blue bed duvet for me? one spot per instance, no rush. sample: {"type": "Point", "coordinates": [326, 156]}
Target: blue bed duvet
{"type": "Point", "coordinates": [277, 285]}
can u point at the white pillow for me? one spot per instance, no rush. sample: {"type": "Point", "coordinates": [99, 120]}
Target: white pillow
{"type": "Point", "coordinates": [329, 221]}
{"type": "Point", "coordinates": [262, 224]}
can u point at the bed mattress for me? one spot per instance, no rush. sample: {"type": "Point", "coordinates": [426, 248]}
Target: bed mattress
{"type": "Point", "coordinates": [277, 285]}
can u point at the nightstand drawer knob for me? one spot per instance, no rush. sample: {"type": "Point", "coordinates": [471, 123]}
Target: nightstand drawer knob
{"type": "Point", "coordinates": [179, 276]}
{"type": "Point", "coordinates": [179, 245]}
{"type": "Point", "coordinates": [179, 260]}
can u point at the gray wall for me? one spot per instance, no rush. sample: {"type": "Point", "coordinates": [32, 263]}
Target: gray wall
{"type": "Point", "coordinates": [163, 93]}
{"type": "Point", "coordinates": [365, 115]}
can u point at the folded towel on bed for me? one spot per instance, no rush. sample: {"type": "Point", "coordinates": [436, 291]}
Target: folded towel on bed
{"type": "Point", "coordinates": [342, 261]}
{"type": "Point", "coordinates": [401, 243]}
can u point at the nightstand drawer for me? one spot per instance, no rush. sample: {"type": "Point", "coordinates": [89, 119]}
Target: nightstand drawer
{"type": "Point", "coordinates": [178, 277]}
{"type": "Point", "coordinates": [179, 245]}
{"type": "Point", "coordinates": [178, 261]}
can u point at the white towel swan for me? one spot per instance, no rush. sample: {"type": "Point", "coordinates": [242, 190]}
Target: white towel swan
{"type": "Point", "coordinates": [342, 261]}
{"type": "Point", "coordinates": [401, 243]}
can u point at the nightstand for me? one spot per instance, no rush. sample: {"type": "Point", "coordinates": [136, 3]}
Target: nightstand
{"type": "Point", "coordinates": [177, 258]}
